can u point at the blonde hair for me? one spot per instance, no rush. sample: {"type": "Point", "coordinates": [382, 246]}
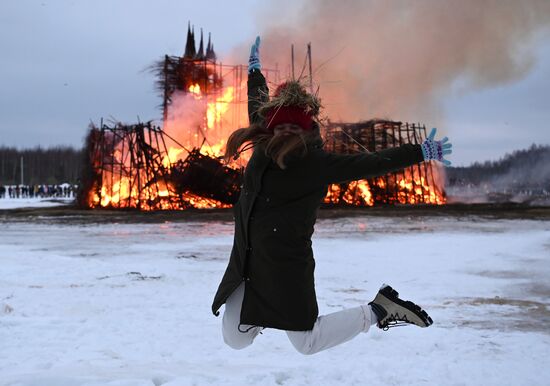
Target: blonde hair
{"type": "Point", "coordinates": [275, 146]}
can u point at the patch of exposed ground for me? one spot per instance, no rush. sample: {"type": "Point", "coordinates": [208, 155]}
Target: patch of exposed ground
{"type": "Point", "coordinates": [504, 314]}
{"type": "Point", "coordinates": [501, 274]}
{"type": "Point", "coordinates": [467, 212]}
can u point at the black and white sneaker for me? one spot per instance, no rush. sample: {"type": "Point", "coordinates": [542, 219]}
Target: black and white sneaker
{"type": "Point", "coordinates": [393, 312]}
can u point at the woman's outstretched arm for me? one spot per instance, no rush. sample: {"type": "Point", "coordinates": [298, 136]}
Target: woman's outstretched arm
{"type": "Point", "coordinates": [337, 168]}
{"type": "Point", "coordinates": [258, 93]}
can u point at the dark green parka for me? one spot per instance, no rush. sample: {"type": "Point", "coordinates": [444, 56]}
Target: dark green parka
{"type": "Point", "coordinates": [274, 220]}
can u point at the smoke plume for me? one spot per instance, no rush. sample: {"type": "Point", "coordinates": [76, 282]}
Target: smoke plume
{"type": "Point", "coordinates": [397, 59]}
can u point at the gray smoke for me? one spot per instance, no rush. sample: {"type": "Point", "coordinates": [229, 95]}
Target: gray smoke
{"type": "Point", "coordinates": [523, 176]}
{"type": "Point", "coordinates": [535, 173]}
{"type": "Point", "coordinates": [397, 59]}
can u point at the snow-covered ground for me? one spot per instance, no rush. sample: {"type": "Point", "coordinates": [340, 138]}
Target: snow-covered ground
{"type": "Point", "coordinates": [129, 305]}
{"type": "Point", "coordinates": [13, 203]}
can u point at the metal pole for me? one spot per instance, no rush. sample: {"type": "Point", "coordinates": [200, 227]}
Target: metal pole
{"type": "Point", "coordinates": [21, 170]}
{"type": "Point", "coordinates": [165, 96]}
{"type": "Point", "coordinates": [103, 178]}
{"type": "Point", "coordinates": [292, 59]}
{"type": "Point", "coordinates": [310, 69]}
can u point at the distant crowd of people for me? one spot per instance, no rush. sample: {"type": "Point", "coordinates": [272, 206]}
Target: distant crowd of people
{"type": "Point", "coordinates": [38, 191]}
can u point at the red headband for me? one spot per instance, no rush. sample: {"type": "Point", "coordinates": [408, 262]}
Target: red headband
{"type": "Point", "coordinates": [288, 114]}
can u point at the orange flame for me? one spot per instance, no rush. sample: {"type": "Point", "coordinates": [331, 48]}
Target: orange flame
{"type": "Point", "coordinates": [404, 188]}
{"type": "Point", "coordinates": [195, 89]}
{"type": "Point", "coordinates": [217, 109]}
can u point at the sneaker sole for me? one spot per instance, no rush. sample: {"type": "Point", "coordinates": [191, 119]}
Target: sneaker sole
{"type": "Point", "coordinates": [393, 295]}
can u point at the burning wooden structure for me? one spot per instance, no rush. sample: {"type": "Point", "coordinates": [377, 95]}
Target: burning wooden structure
{"type": "Point", "coordinates": [131, 166]}
{"type": "Point", "coordinates": [220, 88]}
{"type": "Point", "coordinates": [418, 184]}
{"type": "Point", "coordinates": [177, 167]}
{"type": "Point", "coordinates": [135, 166]}
{"type": "Point", "coordinates": [195, 72]}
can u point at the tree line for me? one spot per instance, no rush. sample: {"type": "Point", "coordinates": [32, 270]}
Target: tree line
{"type": "Point", "coordinates": [528, 168]}
{"type": "Point", "coordinates": [56, 165]}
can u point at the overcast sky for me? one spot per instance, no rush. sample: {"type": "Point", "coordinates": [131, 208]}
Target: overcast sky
{"type": "Point", "coordinates": [64, 63]}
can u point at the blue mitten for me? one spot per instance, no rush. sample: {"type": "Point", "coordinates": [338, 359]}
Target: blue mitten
{"type": "Point", "coordinates": [436, 149]}
{"type": "Point", "coordinates": [254, 59]}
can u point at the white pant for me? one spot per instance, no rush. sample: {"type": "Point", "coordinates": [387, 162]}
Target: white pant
{"type": "Point", "coordinates": [328, 331]}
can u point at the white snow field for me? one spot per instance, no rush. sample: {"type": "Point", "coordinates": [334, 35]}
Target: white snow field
{"type": "Point", "coordinates": [129, 304]}
{"type": "Point", "coordinates": [35, 202]}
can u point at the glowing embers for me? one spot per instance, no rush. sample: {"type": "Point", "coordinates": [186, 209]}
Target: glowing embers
{"type": "Point", "coordinates": [354, 193]}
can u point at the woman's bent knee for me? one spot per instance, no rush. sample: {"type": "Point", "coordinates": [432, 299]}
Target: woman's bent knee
{"type": "Point", "coordinates": [305, 350]}
{"type": "Point", "coordinates": [301, 341]}
{"type": "Point", "coordinates": [237, 342]}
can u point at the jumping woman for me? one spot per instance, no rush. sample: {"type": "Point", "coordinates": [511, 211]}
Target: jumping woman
{"type": "Point", "coordinates": [269, 281]}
